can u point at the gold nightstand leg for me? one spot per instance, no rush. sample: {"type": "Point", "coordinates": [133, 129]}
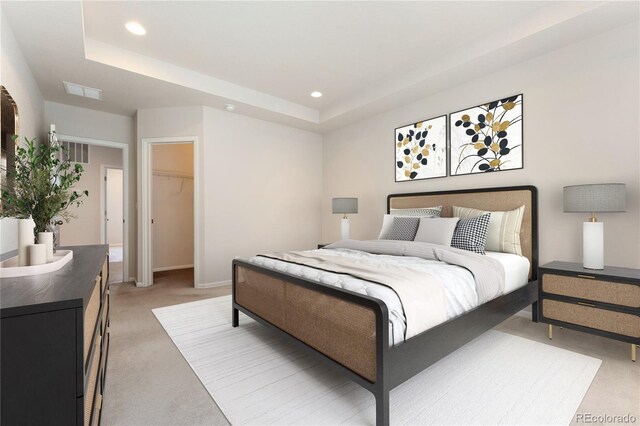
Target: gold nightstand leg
{"type": "Point", "coordinates": [633, 352]}
{"type": "Point", "coordinates": [550, 332]}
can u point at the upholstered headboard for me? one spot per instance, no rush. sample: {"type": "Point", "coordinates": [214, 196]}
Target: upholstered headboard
{"type": "Point", "coordinates": [504, 198]}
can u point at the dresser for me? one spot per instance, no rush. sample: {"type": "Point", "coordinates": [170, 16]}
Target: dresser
{"type": "Point", "coordinates": [605, 302]}
{"type": "Point", "coordinates": [54, 342]}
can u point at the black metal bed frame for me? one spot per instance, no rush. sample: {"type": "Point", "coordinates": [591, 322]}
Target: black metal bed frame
{"type": "Point", "coordinates": [397, 364]}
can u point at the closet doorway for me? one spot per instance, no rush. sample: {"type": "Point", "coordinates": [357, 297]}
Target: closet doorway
{"type": "Point", "coordinates": [169, 210]}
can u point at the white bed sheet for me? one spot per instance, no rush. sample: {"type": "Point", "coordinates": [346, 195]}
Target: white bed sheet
{"type": "Point", "coordinates": [458, 282]}
{"type": "Point", "coordinates": [516, 269]}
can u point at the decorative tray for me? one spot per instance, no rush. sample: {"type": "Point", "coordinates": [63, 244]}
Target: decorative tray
{"type": "Point", "coordinates": [10, 269]}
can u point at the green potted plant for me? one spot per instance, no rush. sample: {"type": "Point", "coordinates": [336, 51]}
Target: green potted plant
{"type": "Point", "coordinates": [40, 186]}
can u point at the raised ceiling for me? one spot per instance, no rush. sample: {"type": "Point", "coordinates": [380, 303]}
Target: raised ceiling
{"type": "Point", "coordinates": [267, 57]}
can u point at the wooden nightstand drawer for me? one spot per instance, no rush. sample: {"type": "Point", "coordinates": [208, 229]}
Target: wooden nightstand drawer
{"type": "Point", "coordinates": [585, 287]}
{"type": "Point", "coordinates": [592, 317]}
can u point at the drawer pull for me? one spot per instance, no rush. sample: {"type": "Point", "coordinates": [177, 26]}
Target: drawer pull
{"type": "Point", "coordinates": [591, 305]}
{"type": "Point", "coordinates": [591, 277]}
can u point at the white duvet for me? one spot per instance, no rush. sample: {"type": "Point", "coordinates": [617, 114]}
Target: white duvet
{"type": "Point", "coordinates": [459, 284]}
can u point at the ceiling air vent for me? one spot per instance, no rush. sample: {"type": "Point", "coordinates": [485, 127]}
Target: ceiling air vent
{"type": "Point", "coordinates": [78, 90]}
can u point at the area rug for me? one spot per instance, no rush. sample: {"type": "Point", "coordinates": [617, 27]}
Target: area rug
{"type": "Point", "coordinates": [257, 377]}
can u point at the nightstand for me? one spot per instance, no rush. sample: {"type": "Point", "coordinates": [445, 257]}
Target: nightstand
{"type": "Point", "coordinates": [604, 302]}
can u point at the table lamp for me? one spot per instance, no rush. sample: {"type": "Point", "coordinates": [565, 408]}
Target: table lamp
{"type": "Point", "coordinates": [594, 198]}
{"type": "Point", "coordinates": [344, 206]}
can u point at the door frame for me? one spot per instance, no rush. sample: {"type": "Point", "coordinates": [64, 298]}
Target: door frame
{"type": "Point", "coordinates": [103, 203]}
{"type": "Point", "coordinates": [145, 182]}
{"type": "Point", "coordinates": [126, 183]}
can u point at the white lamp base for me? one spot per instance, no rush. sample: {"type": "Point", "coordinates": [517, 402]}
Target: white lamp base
{"type": "Point", "coordinates": [593, 245]}
{"type": "Point", "coordinates": [344, 227]}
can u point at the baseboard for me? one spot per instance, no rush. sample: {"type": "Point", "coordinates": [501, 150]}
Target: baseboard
{"type": "Point", "coordinates": [214, 284]}
{"type": "Point", "coordinates": [134, 281]}
{"type": "Point", "coordinates": [172, 268]}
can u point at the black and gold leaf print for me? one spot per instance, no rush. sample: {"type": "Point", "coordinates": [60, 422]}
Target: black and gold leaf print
{"type": "Point", "coordinates": [484, 145]}
{"type": "Point", "coordinates": [413, 146]}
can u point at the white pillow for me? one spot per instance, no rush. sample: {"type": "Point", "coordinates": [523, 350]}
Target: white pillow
{"type": "Point", "coordinates": [436, 230]}
{"type": "Point", "coordinates": [387, 224]}
{"type": "Point", "coordinates": [420, 211]}
{"type": "Point", "coordinates": [387, 219]}
{"type": "Point", "coordinates": [503, 233]}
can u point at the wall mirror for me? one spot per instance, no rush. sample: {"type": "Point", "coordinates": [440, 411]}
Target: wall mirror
{"type": "Point", "coordinates": [9, 124]}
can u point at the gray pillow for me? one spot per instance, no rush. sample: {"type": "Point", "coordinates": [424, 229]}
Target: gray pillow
{"type": "Point", "coordinates": [436, 230]}
{"type": "Point", "coordinates": [404, 228]}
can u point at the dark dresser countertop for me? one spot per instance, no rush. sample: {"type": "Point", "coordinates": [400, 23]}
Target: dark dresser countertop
{"type": "Point", "coordinates": [62, 289]}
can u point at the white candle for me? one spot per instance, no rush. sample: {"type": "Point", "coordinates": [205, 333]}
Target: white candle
{"type": "Point", "coordinates": [52, 128]}
{"type": "Point", "coordinates": [46, 238]}
{"type": "Point", "coordinates": [25, 239]}
{"type": "Point", "coordinates": [37, 254]}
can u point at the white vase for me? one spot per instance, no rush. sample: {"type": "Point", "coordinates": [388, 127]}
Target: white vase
{"type": "Point", "coordinates": [25, 239]}
{"type": "Point", "coordinates": [37, 254]}
{"type": "Point", "coordinates": [46, 238]}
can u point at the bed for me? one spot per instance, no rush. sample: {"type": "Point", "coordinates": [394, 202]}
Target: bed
{"type": "Point", "coordinates": [354, 332]}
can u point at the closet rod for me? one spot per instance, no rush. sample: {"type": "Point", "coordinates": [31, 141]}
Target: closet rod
{"type": "Point", "coordinates": [175, 175]}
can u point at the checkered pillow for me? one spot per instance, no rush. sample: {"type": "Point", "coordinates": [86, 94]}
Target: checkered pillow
{"type": "Point", "coordinates": [471, 233]}
{"type": "Point", "coordinates": [404, 228]}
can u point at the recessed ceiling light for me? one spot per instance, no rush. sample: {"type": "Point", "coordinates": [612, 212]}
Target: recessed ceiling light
{"type": "Point", "coordinates": [316, 94]}
{"type": "Point", "coordinates": [78, 90]}
{"type": "Point", "coordinates": [135, 28]}
{"type": "Point", "coordinates": [229, 107]}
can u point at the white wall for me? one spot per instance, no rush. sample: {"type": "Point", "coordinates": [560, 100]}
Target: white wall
{"type": "Point", "coordinates": [581, 125]}
{"type": "Point", "coordinates": [86, 123]}
{"type": "Point", "coordinates": [85, 228]}
{"type": "Point", "coordinates": [263, 192]}
{"type": "Point", "coordinates": [173, 122]}
{"type": "Point", "coordinates": [260, 186]}
{"type": "Point", "coordinates": [172, 206]}
{"type": "Point", "coordinates": [16, 76]}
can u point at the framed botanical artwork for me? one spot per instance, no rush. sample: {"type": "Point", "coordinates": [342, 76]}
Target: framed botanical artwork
{"type": "Point", "coordinates": [487, 138]}
{"type": "Point", "coordinates": [421, 150]}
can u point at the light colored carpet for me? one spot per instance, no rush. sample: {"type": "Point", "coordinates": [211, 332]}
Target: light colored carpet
{"type": "Point", "coordinates": [256, 377]}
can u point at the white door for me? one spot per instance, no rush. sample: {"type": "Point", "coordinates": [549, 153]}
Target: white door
{"type": "Point", "coordinates": [114, 207]}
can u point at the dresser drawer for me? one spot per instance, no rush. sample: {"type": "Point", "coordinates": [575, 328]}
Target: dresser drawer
{"type": "Point", "coordinates": [91, 316]}
{"type": "Point", "coordinates": [105, 274]}
{"type": "Point", "coordinates": [592, 317]}
{"type": "Point", "coordinates": [592, 289]}
{"type": "Point", "coordinates": [105, 313]}
{"type": "Point", "coordinates": [92, 380]}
